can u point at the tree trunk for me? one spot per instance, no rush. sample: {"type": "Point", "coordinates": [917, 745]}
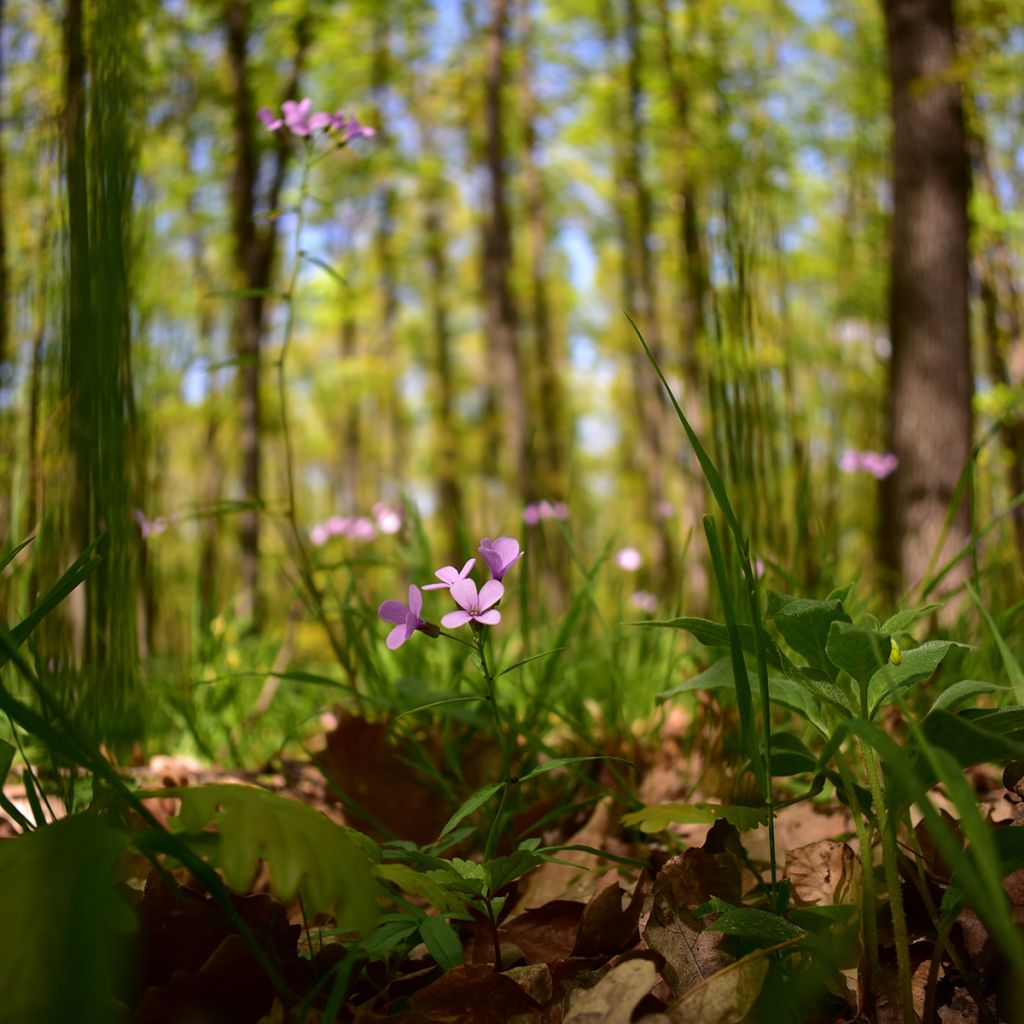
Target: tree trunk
{"type": "Point", "coordinates": [380, 82]}
{"type": "Point", "coordinates": [500, 311]}
{"type": "Point", "coordinates": [692, 292]}
{"type": "Point", "coordinates": [5, 316]}
{"type": "Point", "coordinates": [254, 259]}
{"type": "Point", "coordinates": [930, 424]}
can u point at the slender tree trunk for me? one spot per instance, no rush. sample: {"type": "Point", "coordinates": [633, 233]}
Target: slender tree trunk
{"type": "Point", "coordinates": [641, 287]}
{"type": "Point", "coordinates": [500, 311]}
{"type": "Point", "coordinates": [254, 252]}
{"type": "Point", "coordinates": [692, 293]}
{"type": "Point", "coordinates": [930, 424]}
{"type": "Point", "coordinates": [380, 81]}
{"type": "Point", "coordinates": [352, 428]}
{"type": "Point", "coordinates": [1003, 327]}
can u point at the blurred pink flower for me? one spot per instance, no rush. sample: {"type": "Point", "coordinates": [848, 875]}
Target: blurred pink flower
{"type": "Point", "coordinates": [361, 529]}
{"type": "Point", "coordinates": [389, 519]}
{"type": "Point", "coordinates": [644, 601]}
{"type": "Point", "coordinates": [544, 509]}
{"type": "Point", "coordinates": [149, 527]}
{"type": "Point", "coordinates": [449, 575]}
{"type": "Point", "coordinates": [664, 510]}
{"type": "Point", "coordinates": [500, 554]}
{"type": "Point", "coordinates": [337, 526]}
{"type": "Point", "coordinates": [629, 559]}
{"type": "Point", "coordinates": [878, 464]}
{"type": "Point", "coordinates": [319, 535]}
{"type": "Point", "coordinates": [301, 120]}
{"type": "Point", "coordinates": [474, 606]}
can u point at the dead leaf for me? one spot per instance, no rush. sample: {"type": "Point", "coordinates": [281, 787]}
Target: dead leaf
{"type": "Point", "coordinates": [671, 929]}
{"type": "Point", "coordinates": [823, 873]}
{"type": "Point", "coordinates": [613, 999]}
{"type": "Point", "coordinates": [727, 996]}
{"type": "Point", "coordinates": [544, 933]}
{"type": "Point", "coordinates": [472, 994]}
{"type": "Point", "coordinates": [609, 922]}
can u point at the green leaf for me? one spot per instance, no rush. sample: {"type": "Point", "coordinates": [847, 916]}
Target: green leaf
{"type": "Point", "coordinates": [749, 922]}
{"type": "Point", "coordinates": [526, 661]}
{"type": "Point", "coordinates": [64, 923]}
{"type": "Point", "coordinates": [324, 265]}
{"type": "Point", "coordinates": [804, 625]}
{"type": "Point", "coordinates": [1013, 669]}
{"type": "Point", "coordinates": [502, 870]}
{"type": "Point", "coordinates": [442, 942]}
{"type": "Point", "coordinates": [716, 634]}
{"type": "Point", "coordinates": [561, 762]}
{"type": "Point", "coordinates": [420, 884]}
{"type": "Point", "coordinates": [859, 652]}
{"type": "Point", "coordinates": [7, 752]}
{"type": "Point", "coordinates": [905, 618]}
{"type": "Point", "coordinates": [972, 741]}
{"type": "Point", "coordinates": [13, 553]}
{"type": "Point", "coordinates": [472, 803]}
{"type": "Point", "coordinates": [953, 696]}
{"type": "Point", "coordinates": [658, 817]}
{"type": "Point", "coordinates": [916, 665]}
{"type": "Point", "coordinates": [790, 755]}
{"type": "Point", "coordinates": [800, 697]}
{"type": "Point", "coordinates": [304, 851]}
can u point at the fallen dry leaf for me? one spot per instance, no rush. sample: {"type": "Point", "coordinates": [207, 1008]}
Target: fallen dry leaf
{"type": "Point", "coordinates": [609, 922]}
{"type": "Point", "coordinates": [613, 999]}
{"type": "Point", "coordinates": [727, 996]}
{"type": "Point", "coordinates": [824, 873]}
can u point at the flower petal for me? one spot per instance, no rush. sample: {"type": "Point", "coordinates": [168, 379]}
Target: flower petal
{"type": "Point", "coordinates": [393, 611]}
{"type": "Point", "coordinates": [319, 120]}
{"type": "Point", "coordinates": [435, 586]}
{"type": "Point", "coordinates": [415, 600]}
{"type": "Point", "coordinates": [467, 568]}
{"type": "Point", "coordinates": [490, 593]}
{"type": "Point", "coordinates": [491, 618]}
{"type": "Point", "coordinates": [448, 574]}
{"type": "Point", "coordinates": [398, 636]}
{"type": "Point", "coordinates": [464, 593]}
{"type": "Point", "coordinates": [455, 619]}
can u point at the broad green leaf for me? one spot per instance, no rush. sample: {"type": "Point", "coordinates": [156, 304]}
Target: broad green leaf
{"type": "Point", "coordinates": [420, 884]}
{"type": "Point", "coordinates": [790, 755]}
{"type": "Point", "coordinates": [64, 924]}
{"type": "Point", "coordinates": [800, 697]}
{"type": "Point", "coordinates": [916, 665]}
{"type": "Point", "coordinates": [304, 851]}
{"type": "Point", "coordinates": [953, 696]}
{"type": "Point", "coordinates": [658, 817]}
{"type": "Point", "coordinates": [716, 634]}
{"type": "Point", "coordinates": [804, 625]}
{"type": "Point", "coordinates": [472, 803]}
{"type": "Point", "coordinates": [859, 652]}
{"type": "Point", "coordinates": [971, 741]}
{"type": "Point", "coordinates": [749, 922]}
{"type": "Point", "coordinates": [442, 942]}
{"type": "Point", "coordinates": [502, 870]}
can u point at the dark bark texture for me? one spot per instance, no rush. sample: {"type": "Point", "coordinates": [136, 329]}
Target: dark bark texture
{"type": "Point", "coordinates": [930, 423]}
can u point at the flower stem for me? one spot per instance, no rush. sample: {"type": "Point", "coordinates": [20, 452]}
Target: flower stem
{"type": "Point", "coordinates": [503, 745]}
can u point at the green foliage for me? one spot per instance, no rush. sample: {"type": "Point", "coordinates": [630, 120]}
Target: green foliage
{"type": "Point", "coordinates": [65, 925]}
{"type": "Point", "coordinates": [331, 867]}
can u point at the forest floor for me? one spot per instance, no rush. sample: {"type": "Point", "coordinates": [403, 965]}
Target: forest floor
{"type": "Point", "coordinates": [583, 939]}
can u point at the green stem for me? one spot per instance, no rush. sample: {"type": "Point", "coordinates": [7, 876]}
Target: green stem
{"type": "Point", "coordinates": [887, 834]}
{"type": "Point", "coordinates": [503, 744]}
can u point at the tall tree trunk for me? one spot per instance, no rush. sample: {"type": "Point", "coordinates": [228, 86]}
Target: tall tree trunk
{"type": "Point", "coordinates": [642, 291]}
{"type": "Point", "coordinates": [1004, 327]}
{"type": "Point", "coordinates": [930, 424]}
{"type": "Point", "coordinates": [380, 82]}
{"type": "Point", "coordinates": [692, 292]}
{"type": "Point", "coordinates": [254, 252]}
{"type": "Point", "coordinates": [500, 311]}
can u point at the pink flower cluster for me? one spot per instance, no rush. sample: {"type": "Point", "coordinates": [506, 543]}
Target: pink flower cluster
{"type": "Point", "coordinates": [477, 606]}
{"type": "Point", "coordinates": [878, 464]}
{"type": "Point", "coordinates": [300, 119]}
{"type": "Point", "coordinates": [538, 510]}
{"type": "Point", "coordinates": [386, 519]}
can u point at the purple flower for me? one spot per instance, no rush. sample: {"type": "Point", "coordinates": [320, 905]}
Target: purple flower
{"type": "Point", "coordinates": [448, 575]}
{"type": "Point", "coordinates": [337, 526]}
{"type": "Point", "coordinates": [266, 115]}
{"type": "Point", "coordinates": [531, 514]}
{"type": "Point", "coordinates": [350, 127]}
{"type": "Point", "coordinates": [473, 606]}
{"type": "Point", "coordinates": [560, 510]}
{"type": "Point", "coordinates": [362, 529]}
{"type": "Point", "coordinates": [407, 619]}
{"type": "Point", "coordinates": [500, 554]}
{"type": "Point", "coordinates": [628, 559]}
{"type": "Point", "coordinates": [644, 601]}
{"type": "Point", "coordinates": [319, 535]}
{"type": "Point", "coordinates": [389, 519]}
{"type": "Point", "coordinates": [878, 464]}
{"type": "Point", "coordinates": [149, 527]}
